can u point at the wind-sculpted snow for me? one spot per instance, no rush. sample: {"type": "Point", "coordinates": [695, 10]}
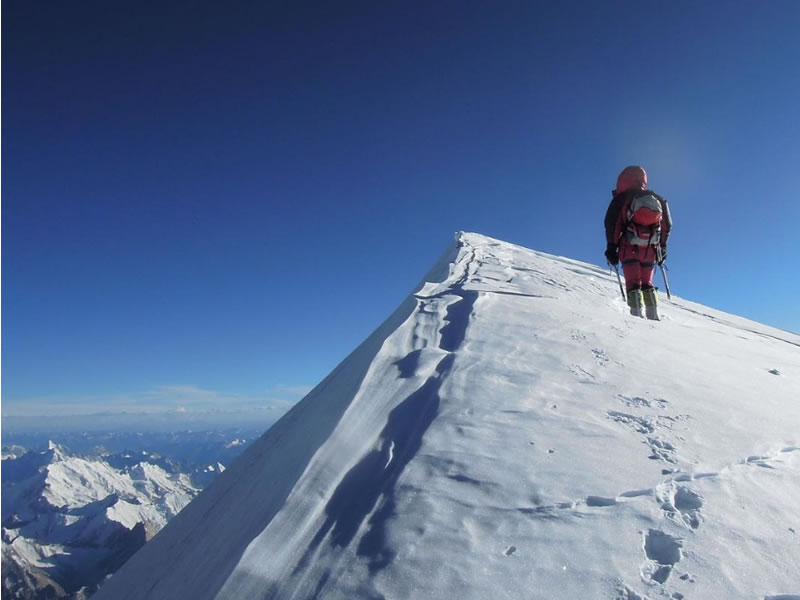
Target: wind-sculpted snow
{"type": "Point", "coordinates": [375, 477]}
{"type": "Point", "coordinates": [512, 432]}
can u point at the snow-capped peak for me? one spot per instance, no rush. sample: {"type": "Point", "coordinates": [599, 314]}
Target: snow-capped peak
{"type": "Point", "coordinates": [76, 519]}
{"type": "Point", "coordinates": [511, 431]}
{"type": "Point", "coordinates": [57, 452]}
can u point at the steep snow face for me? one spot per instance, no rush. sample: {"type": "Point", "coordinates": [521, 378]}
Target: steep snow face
{"type": "Point", "coordinates": [512, 432]}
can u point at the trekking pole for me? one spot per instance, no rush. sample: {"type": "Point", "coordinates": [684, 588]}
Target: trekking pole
{"type": "Point", "coordinates": [666, 281]}
{"type": "Point", "coordinates": [619, 281]}
{"type": "Point", "coordinates": [663, 272]}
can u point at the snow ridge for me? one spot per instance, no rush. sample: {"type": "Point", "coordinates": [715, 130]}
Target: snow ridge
{"type": "Point", "coordinates": [511, 431]}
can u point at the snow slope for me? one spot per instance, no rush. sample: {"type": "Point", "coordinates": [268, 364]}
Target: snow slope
{"type": "Point", "coordinates": [511, 432]}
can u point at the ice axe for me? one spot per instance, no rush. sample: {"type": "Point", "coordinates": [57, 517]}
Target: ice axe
{"type": "Point", "coordinates": [663, 271]}
{"type": "Point", "coordinates": [619, 281]}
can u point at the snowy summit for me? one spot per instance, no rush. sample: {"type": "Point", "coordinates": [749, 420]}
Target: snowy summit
{"type": "Point", "coordinates": [512, 432]}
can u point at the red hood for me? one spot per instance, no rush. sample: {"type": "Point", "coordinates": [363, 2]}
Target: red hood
{"type": "Point", "coordinates": [633, 177]}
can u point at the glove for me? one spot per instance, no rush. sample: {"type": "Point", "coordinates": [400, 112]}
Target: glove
{"type": "Point", "coordinates": [662, 255]}
{"type": "Point", "coordinates": [612, 254]}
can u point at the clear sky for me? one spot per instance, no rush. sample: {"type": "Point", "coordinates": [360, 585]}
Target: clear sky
{"type": "Point", "coordinates": [209, 203]}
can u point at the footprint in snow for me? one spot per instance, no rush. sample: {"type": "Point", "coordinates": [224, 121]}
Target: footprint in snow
{"type": "Point", "coordinates": [663, 552]}
{"type": "Point", "coordinates": [626, 593]}
{"type": "Point", "coordinates": [643, 425]}
{"type": "Point", "coordinates": [601, 356]}
{"type": "Point", "coordinates": [642, 402]}
{"type": "Point", "coordinates": [681, 504]}
{"type": "Point", "coordinates": [577, 335]}
{"type": "Point", "coordinates": [661, 450]}
{"type": "Point", "coordinates": [648, 426]}
{"type": "Point", "coordinates": [634, 401]}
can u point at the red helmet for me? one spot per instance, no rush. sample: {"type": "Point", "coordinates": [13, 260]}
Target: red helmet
{"type": "Point", "coordinates": [633, 177]}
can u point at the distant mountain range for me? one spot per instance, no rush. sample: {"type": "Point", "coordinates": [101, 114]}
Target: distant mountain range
{"type": "Point", "coordinates": [71, 519]}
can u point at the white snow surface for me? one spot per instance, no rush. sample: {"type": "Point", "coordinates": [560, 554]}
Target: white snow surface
{"type": "Point", "coordinates": [512, 432]}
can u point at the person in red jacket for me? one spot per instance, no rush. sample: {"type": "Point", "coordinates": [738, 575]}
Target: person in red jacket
{"type": "Point", "coordinates": [638, 224]}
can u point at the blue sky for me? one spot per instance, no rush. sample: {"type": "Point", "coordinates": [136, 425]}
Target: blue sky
{"type": "Point", "coordinates": [226, 199]}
